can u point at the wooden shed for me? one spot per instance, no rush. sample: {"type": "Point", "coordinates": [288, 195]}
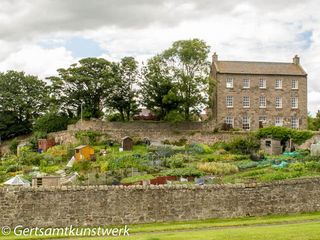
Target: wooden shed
{"type": "Point", "coordinates": [46, 181]}
{"type": "Point", "coordinates": [127, 144]}
{"type": "Point", "coordinates": [45, 144]}
{"type": "Point", "coordinates": [84, 152]}
{"type": "Point", "coordinates": [271, 146]}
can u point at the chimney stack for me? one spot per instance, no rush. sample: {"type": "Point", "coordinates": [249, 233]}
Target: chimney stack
{"type": "Point", "coordinates": [296, 60]}
{"type": "Point", "coordinates": [214, 57]}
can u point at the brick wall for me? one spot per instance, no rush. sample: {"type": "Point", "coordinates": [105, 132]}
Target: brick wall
{"type": "Point", "coordinates": [105, 205]}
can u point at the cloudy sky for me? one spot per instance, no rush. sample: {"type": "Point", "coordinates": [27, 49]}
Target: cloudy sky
{"type": "Point", "coordinates": [39, 36]}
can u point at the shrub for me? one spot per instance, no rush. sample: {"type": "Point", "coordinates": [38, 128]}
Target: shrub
{"type": "Point", "coordinates": [297, 166]}
{"type": "Point", "coordinates": [217, 168]}
{"type": "Point", "coordinates": [81, 166]}
{"type": "Point", "coordinates": [13, 146]}
{"type": "Point", "coordinates": [284, 134]}
{"type": "Point", "coordinates": [13, 168]}
{"type": "Point", "coordinates": [135, 179]}
{"type": "Point", "coordinates": [51, 122]}
{"type": "Point", "coordinates": [244, 145]}
{"type": "Point", "coordinates": [174, 116]}
{"type": "Point", "coordinates": [175, 161]}
{"type": "Point", "coordinates": [313, 166]}
{"type": "Point", "coordinates": [87, 137]}
{"type": "Point", "coordinates": [183, 172]}
{"type": "Point", "coordinates": [199, 148]}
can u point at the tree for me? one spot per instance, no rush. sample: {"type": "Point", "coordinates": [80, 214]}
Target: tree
{"type": "Point", "coordinates": [189, 66]}
{"type": "Point", "coordinates": [51, 122]}
{"type": "Point", "coordinates": [22, 99]}
{"type": "Point", "coordinates": [83, 85]}
{"type": "Point", "coordinates": [123, 96]}
{"type": "Point", "coordinates": [158, 91]}
{"type": "Point", "coordinates": [314, 123]}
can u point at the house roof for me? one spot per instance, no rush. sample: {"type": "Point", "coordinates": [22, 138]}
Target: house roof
{"type": "Point", "coordinates": [259, 68]}
{"type": "Point", "coordinates": [81, 146]}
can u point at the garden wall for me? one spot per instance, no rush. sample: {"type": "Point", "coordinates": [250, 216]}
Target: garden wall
{"type": "Point", "coordinates": [155, 131]}
{"type": "Point", "coordinates": [104, 205]}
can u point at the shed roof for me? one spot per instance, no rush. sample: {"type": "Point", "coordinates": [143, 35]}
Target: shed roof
{"type": "Point", "coordinates": [17, 181]}
{"type": "Point", "coordinates": [82, 146]}
{"type": "Point", "coordinates": [259, 68]}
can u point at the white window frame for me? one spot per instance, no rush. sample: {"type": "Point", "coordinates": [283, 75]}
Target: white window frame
{"type": "Point", "coordinates": [246, 123]}
{"type": "Point", "coordinates": [246, 83]}
{"type": "Point", "coordinates": [278, 122]}
{"type": "Point", "coordinates": [278, 102]}
{"type": "Point", "coordinates": [246, 102]}
{"type": "Point", "coordinates": [262, 104]}
{"type": "Point", "coordinates": [229, 83]}
{"type": "Point", "coordinates": [278, 83]}
{"type": "Point", "coordinates": [294, 123]}
{"type": "Point", "coordinates": [294, 84]}
{"type": "Point", "coordinates": [229, 99]}
{"type": "Point", "coordinates": [294, 103]}
{"type": "Point", "coordinates": [262, 83]}
{"type": "Point", "coordinates": [229, 120]}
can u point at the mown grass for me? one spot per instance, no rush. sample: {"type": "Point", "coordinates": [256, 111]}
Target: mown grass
{"type": "Point", "coordinates": [297, 226]}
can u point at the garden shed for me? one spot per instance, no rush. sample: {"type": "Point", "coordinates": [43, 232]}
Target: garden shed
{"type": "Point", "coordinates": [84, 152]}
{"type": "Point", "coordinates": [271, 146]}
{"type": "Point", "coordinates": [46, 181]}
{"type": "Point", "coordinates": [45, 144]}
{"type": "Point", "coordinates": [127, 144]}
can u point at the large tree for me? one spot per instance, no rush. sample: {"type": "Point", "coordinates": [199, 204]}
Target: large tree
{"type": "Point", "coordinates": [22, 99]}
{"type": "Point", "coordinates": [190, 68]}
{"type": "Point", "coordinates": [123, 97]}
{"type": "Point", "coordinates": [158, 91]}
{"type": "Point", "coordinates": [83, 86]}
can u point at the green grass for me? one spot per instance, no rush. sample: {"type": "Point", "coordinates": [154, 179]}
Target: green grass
{"type": "Point", "coordinates": [302, 226]}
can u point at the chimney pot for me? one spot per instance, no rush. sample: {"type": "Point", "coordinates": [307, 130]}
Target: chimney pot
{"type": "Point", "coordinates": [296, 60]}
{"type": "Point", "coordinates": [214, 57]}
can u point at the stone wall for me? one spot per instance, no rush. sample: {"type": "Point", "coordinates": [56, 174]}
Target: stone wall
{"type": "Point", "coordinates": [105, 205]}
{"type": "Point", "coordinates": [155, 131]}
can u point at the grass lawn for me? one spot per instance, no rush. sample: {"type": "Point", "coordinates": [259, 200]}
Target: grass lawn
{"type": "Point", "coordinates": [296, 227]}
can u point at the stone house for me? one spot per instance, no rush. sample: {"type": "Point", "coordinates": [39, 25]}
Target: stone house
{"type": "Point", "coordinates": [251, 95]}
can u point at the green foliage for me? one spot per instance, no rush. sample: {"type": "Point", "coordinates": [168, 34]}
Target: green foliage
{"type": "Point", "coordinates": [83, 86]}
{"type": "Point", "coordinates": [314, 122]}
{"type": "Point", "coordinates": [218, 168]}
{"type": "Point", "coordinates": [183, 172]}
{"type": "Point", "coordinates": [13, 146]}
{"type": "Point", "coordinates": [244, 145]}
{"type": "Point", "coordinates": [176, 161]}
{"type": "Point", "coordinates": [188, 63]}
{"type": "Point", "coordinates": [51, 122]}
{"type": "Point", "coordinates": [13, 168]}
{"type": "Point", "coordinates": [180, 142]}
{"type": "Point", "coordinates": [284, 134]}
{"type": "Point", "coordinates": [123, 96]}
{"type": "Point", "coordinates": [35, 137]}
{"type": "Point", "coordinates": [129, 161]}
{"type": "Point", "coordinates": [87, 137]}
{"type": "Point", "coordinates": [297, 166]}
{"type": "Point", "coordinates": [199, 148]}
{"type": "Point", "coordinates": [158, 89]}
{"type": "Point", "coordinates": [82, 166]}
{"type": "Point", "coordinates": [23, 98]}
{"type": "Point", "coordinates": [174, 116]}
{"type": "Point", "coordinates": [135, 179]}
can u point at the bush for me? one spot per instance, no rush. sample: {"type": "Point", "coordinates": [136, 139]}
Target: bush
{"type": "Point", "coordinates": [13, 146]}
{"type": "Point", "coordinates": [284, 134]}
{"type": "Point", "coordinates": [297, 166]}
{"type": "Point", "coordinates": [13, 168]}
{"type": "Point", "coordinates": [183, 172]}
{"type": "Point", "coordinates": [244, 145]}
{"type": "Point", "coordinates": [135, 179]}
{"type": "Point", "coordinates": [81, 166]}
{"type": "Point", "coordinates": [174, 116]}
{"type": "Point", "coordinates": [175, 161]}
{"type": "Point", "coordinates": [51, 122]}
{"type": "Point", "coordinates": [199, 148]}
{"type": "Point", "coordinates": [87, 137]}
{"type": "Point", "coordinates": [217, 168]}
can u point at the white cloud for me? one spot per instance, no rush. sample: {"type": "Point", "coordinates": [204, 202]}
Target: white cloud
{"type": "Point", "coordinates": [248, 30]}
